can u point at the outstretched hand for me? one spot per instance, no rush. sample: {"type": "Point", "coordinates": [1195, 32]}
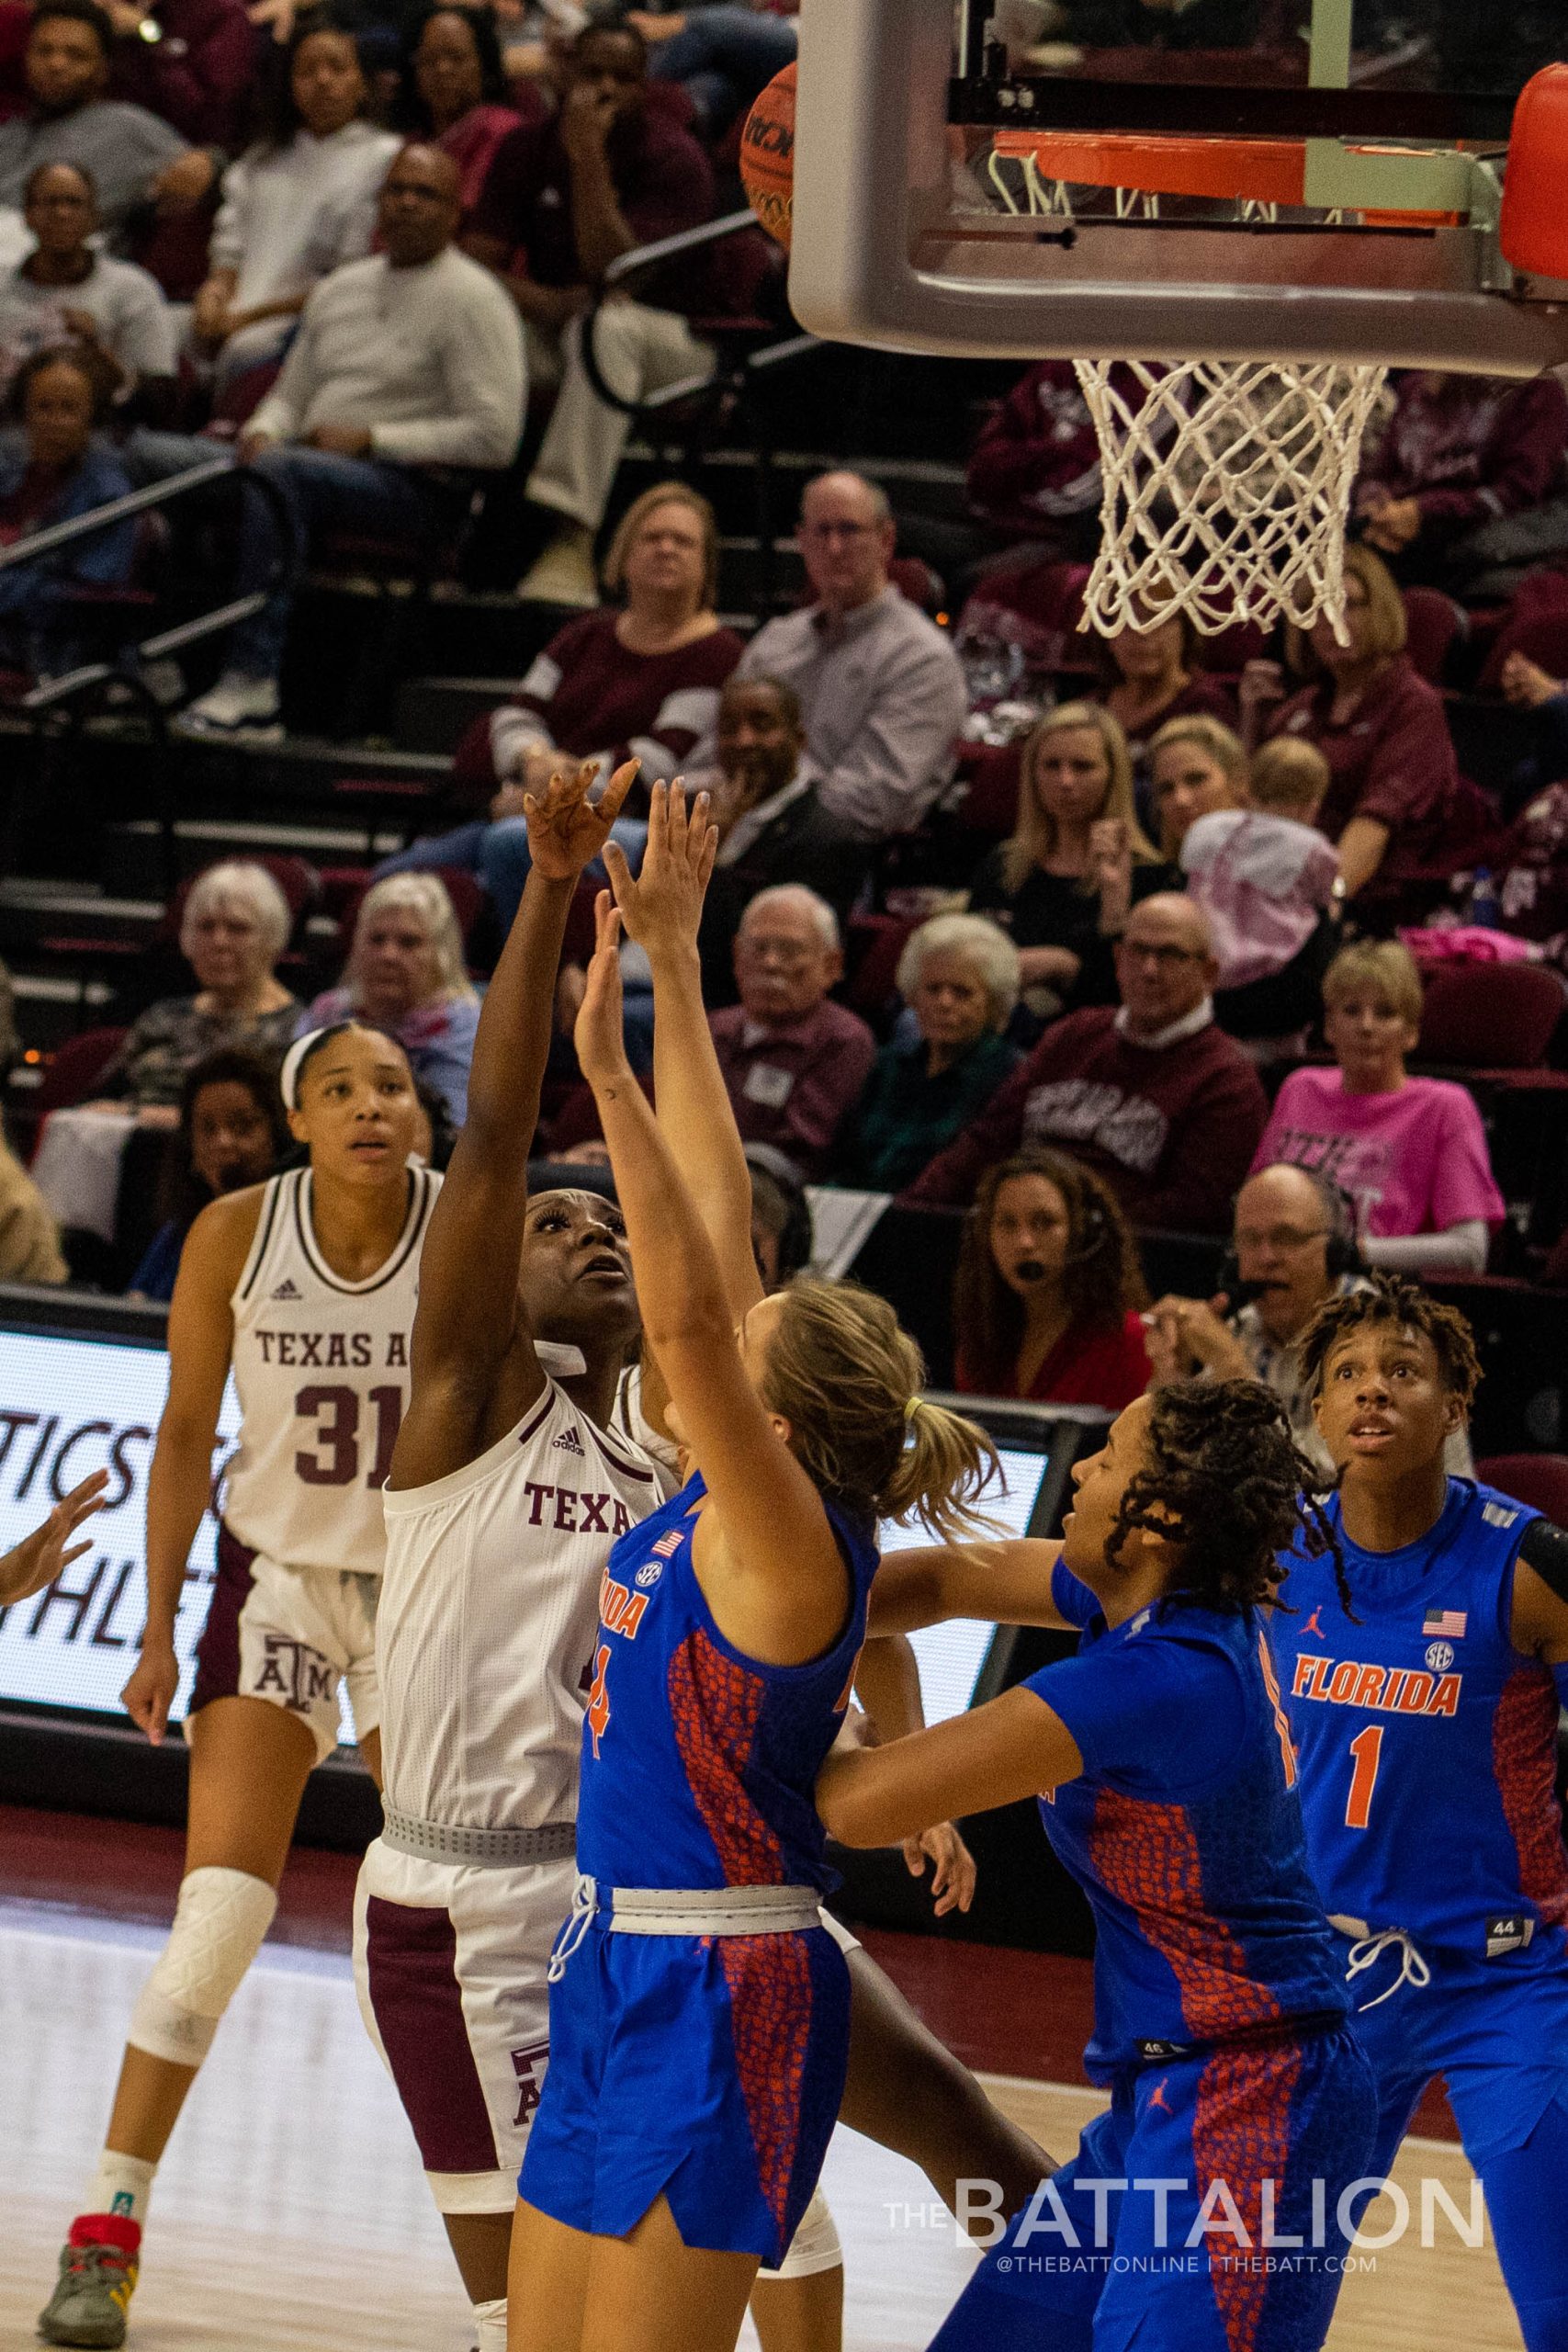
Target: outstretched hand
{"type": "Point", "coordinates": [48, 1552]}
{"type": "Point", "coordinates": [566, 830]}
{"type": "Point", "coordinates": [662, 908]}
{"type": "Point", "coordinates": [598, 1034]}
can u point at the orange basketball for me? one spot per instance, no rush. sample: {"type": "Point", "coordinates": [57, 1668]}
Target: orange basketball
{"type": "Point", "coordinates": [767, 156]}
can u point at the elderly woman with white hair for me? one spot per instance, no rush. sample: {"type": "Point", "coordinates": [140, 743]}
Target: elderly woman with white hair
{"type": "Point", "coordinates": [97, 1165]}
{"type": "Point", "coordinates": [406, 974]}
{"type": "Point", "coordinates": [234, 926]}
{"type": "Point", "coordinates": [959, 977]}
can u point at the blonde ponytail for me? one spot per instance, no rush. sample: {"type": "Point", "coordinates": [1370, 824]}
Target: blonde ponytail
{"type": "Point", "coordinates": [846, 1377]}
{"type": "Point", "coordinates": [946, 1464]}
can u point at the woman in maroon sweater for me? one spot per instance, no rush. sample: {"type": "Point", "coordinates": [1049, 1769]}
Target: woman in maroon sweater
{"type": "Point", "coordinates": [1048, 1289]}
{"type": "Point", "coordinates": [638, 681]}
{"type": "Point", "coordinates": [1394, 805]}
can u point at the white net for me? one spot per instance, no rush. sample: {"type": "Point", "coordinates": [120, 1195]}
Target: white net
{"type": "Point", "coordinates": [1226, 488]}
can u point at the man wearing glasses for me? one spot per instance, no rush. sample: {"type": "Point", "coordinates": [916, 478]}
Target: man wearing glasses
{"type": "Point", "coordinates": [879, 685]}
{"type": "Point", "coordinates": [1152, 1095]}
{"type": "Point", "coordinates": [1293, 1246]}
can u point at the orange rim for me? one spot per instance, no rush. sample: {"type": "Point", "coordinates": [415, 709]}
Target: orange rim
{"type": "Point", "coordinates": [1250, 171]}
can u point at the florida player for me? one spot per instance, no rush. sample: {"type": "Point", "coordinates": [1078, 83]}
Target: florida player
{"type": "Point", "coordinates": [699, 2020]}
{"type": "Point", "coordinates": [1424, 1715]}
{"type": "Point", "coordinates": [1165, 1763]}
{"type": "Point", "coordinates": [304, 1287]}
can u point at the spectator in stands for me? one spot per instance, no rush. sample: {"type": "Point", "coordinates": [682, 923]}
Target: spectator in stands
{"type": "Point", "coordinates": [1410, 1152]}
{"type": "Point", "coordinates": [1034, 471]}
{"type": "Point", "coordinates": [193, 61]}
{"type": "Point", "coordinates": [772, 825]}
{"type": "Point", "coordinates": [1154, 679]}
{"type": "Point", "coordinates": [295, 206]}
{"type": "Point", "coordinates": [1048, 1289]}
{"type": "Point", "coordinates": [782, 1236]}
{"type": "Point", "coordinates": [54, 473]}
{"type": "Point", "coordinates": [454, 91]}
{"type": "Point", "coordinates": [1393, 792]}
{"type": "Point", "coordinates": [1265, 880]}
{"type": "Point", "coordinates": [879, 684]}
{"type": "Point", "coordinates": [1467, 475]}
{"type": "Point", "coordinates": [232, 1132]}
{"type": "Point", "coordinates": [565, 198]}
{"type": "Point", "coordinates": [721, 56]}
{"type": "Point", "coordinates": [1529, 687]}
{"type": "Point", "coordinates": [793, 1062]}
{"type": "Point", "coordinates": [407, 370]}
{"type": "Point", "coordinates": [234, 926]}
{"type": "Point", "coordinates": [1078, 859]}
{"type": "Point", "coordinates": [1153, 1096]}
{"type": "Point", "coordinates": [406, 974]}
{"type": "Point", "coordinates": [134, 159]}
{"type": "Point", "coordinates": [959, 977]}
{"type": "Point", "coordinates": [66, 288]}
{"type": "Point", "coordinates": [1196, 765]}
{"type": "Point", "coordinates": [641, 682]}
{"type": "Point", "coordinates": [29, 1239]}
{"type": "Point", "coordinates": [1293, 1246]}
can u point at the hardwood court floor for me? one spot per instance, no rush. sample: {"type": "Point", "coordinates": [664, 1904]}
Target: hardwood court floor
{"type": "Point", "coordinates": [290, 2212]}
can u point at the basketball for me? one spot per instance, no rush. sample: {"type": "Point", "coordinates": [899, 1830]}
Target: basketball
{"type": "Point", "coordinates": [767, 156]}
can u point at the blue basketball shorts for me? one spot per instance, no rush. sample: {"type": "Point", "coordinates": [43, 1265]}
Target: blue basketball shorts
{"type": "Point", "coordinates": [1199, 2215]}
{"type": "Point", "coordinates": [1497, 2032]}
{"type": "Point", "coordinates": [705, 2069]}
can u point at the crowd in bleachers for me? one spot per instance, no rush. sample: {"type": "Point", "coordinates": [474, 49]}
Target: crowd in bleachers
{"type": "Point", "coordinates": [1089, 939]}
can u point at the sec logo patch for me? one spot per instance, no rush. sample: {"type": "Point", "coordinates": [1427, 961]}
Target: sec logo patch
{"type": "Point", "coordinates": [1439, 1656]}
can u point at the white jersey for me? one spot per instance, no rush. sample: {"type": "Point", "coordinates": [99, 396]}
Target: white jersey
{"type": "Point", "coordinates": [321, 1368]}
{"type": "Point", "coordinates": [488, 1612]}
{"type": "Point", "coordinates": [628, 1421]}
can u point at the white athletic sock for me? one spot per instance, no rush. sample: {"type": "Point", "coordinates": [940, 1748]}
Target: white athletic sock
{"type": "Point", "coordinates": [489, 2319]}
{"type": "Point", "coordinates": [121, 2185]}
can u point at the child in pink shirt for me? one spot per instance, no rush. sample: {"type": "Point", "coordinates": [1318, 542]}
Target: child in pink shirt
{"type": "Point", "coordinates": [1410, 1153]}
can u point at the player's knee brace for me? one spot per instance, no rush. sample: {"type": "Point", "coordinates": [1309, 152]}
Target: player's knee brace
{"type": "Point", "coordinates": [815, 2245]}
{"type": "Point", "coordinates": [220, 1921]}
{"type": "Point", "coordinates": [490, 2325]}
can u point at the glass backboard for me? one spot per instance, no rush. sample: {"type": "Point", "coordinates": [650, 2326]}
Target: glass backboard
{"type": "Point", "coordinates": [1148, 179]}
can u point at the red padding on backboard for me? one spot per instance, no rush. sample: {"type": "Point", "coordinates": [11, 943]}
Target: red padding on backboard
{"type": "Point", "coordinates": [1534, 227]}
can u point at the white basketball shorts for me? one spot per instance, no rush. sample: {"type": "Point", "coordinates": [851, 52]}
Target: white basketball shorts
{"type": "Point", "coordinates": [290, 1636]}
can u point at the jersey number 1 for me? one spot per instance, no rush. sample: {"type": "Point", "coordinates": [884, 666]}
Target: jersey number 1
{"type": "Point", "coordinates": [1367, 1749]}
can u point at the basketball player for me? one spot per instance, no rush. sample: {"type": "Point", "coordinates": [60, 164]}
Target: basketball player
{"type": "Point", "coordinates": [699, 2020]}
{"type": "Point", "coordinates": [304, 1287]}
{"type": "Point", "coordinates": [488, 1614]}
{"type": "Point", "coordinates": [1169, 1780]}
{"type": "Point", "coordinates": [41, 1557]}
{"type": "Point", "coordinates": [1425, 1713]}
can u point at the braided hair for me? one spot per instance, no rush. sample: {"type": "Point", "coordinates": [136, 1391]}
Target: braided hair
{"type": "Point", "coordinates": [1390, 1298]}
{"type": "Point", "coordinates": [1227, 1484]}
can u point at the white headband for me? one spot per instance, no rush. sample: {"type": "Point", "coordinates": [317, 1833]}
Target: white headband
{"type": "Point", "coordinates": [288, 1075]}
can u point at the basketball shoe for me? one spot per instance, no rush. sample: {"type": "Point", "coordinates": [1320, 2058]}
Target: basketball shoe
{"type": "Point", "coordinates": [98, 2272]}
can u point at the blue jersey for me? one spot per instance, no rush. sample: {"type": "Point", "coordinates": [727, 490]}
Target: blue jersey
{"type": "Point", "coordinates": [1427, 1742]}
{"type": "Point", "coordinates": [1184, 1831]}
{"type": "Point", "coordinates": [699, 1765]}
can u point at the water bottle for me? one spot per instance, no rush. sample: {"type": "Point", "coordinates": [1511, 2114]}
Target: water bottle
{"type": "Point", "coordinates": [1483, 909]}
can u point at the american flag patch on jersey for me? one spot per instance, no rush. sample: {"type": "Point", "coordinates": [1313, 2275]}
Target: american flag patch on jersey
{"type": "Point", "coordinates": [1451, 1621]}
{"type": "Point", "coordinates": [668, 1545]}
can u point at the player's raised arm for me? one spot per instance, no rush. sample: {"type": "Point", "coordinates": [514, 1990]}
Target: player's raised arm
{"type": "Point", "coordinates": [474, 1370]}
{"type": "Point", "coordinates": [1009, 1582]}
{"type": "Point", "coordinates": [778, 1587]}
{"type": "Point", "coordinates": [661, 911]}
{"type": "Point", "coordinates": [1013, 1746]}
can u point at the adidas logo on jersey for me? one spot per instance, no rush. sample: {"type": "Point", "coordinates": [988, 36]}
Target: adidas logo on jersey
{"type": "Point", "coordinates": [286, 1289]}
{"type": "Point", "coordinates": [570, 1442]}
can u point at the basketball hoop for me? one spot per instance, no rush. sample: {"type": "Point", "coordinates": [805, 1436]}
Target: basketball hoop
{"type": "Point", "coordinates": [1225, 487]}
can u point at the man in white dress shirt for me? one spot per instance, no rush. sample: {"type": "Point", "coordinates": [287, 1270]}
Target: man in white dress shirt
{"type": "Point", "coordinates": [405, 378]}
